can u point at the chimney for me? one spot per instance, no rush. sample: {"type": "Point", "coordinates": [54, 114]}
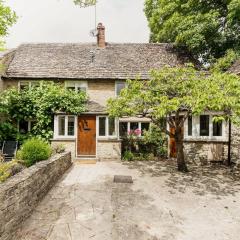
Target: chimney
{"type": "Point", "coordinates": [101, 36]}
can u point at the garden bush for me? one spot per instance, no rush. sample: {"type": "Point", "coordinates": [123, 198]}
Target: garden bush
{"type": "Point", "coordinates": [34, 150]}
{"type": "Point", "coordinates": [8, 169]}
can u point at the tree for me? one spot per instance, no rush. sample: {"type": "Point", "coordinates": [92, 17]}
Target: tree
{"type": "Point", "coordinates": [40, 104]}
{"type": "Point", "coordinates": [174, 94]}
{"type": "Point", "coordinates": [85, 3]}
{"type": "Point", "coordinates": [7, 19]}
{"type": "Point", "coordinates": [207, 29]}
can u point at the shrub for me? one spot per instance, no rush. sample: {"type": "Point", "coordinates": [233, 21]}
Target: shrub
{"type": "Point", "coordinates": [128, 156]}
{"type": "Point", "coordinates": [34, 150]}
{"type": "Point", "coordinates": [8, 169]}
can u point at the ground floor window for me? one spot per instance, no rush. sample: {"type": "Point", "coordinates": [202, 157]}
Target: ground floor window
{"type": "Point", "coordinates": [106, 126]}
{"type": "Point", "coordinates": [125, 128]}
{"type": "Point", "coordinates": [204, 126]}
{"type": "Point", "coordinates": [64, 126]}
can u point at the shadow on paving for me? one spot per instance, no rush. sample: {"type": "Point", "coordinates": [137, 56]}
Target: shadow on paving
{"type": "Point", "coordinates": [214, 179]}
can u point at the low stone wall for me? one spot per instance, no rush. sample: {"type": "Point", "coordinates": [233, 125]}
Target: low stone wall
{"type": "Point", "coordinates": [20, 194]}
{"type": "Point", "coordinates": [109, 150]}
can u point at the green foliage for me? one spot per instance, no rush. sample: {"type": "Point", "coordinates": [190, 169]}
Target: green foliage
{"type": "Point", "coordinates": [6, 170]}
{"type": "Point", "coordinates": [85, 3]}
{"type": "Point", "coordinates": [7, 131]}
{"type": "Point", "coordinates": [7, 19]}
{"type": "Point", "coordinates": [40, 104]}
{"type": "Point", "coordinates": [224, 63]}
{"type": "Point", "coordinates": [128, 156]}
{"type": "Point", "coordinates": [176, 93]}
{"type": "Point", "coordinates": [34, 150]}
{"type": "Point", "coordinates": [207, 29]}
{"type": "Point", "coordinates": [155, 140]}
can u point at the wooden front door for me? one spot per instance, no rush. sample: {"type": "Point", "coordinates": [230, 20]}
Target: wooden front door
{"type": "Point", "coordinates": [172, 143]}
{"type": "Point", "coordinates": [86, 145]}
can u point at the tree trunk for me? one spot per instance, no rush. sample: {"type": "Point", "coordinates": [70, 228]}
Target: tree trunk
{"type": "Point", "coordinates": [180, 154]}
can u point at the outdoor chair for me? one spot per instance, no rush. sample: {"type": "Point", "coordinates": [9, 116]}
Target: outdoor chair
{"type": "Point", "coordinates": [9, 150]}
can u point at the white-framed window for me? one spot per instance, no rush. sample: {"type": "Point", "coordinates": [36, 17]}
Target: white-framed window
{"type": "Point", "coordinates": [119, 86]}
{"type": "Point", "coordinates": [26, 126]}
{"type": "Point", "coordinates": [23, 85]}
{"type": "Point", "coordinates": [78, 86]}
{"type": "Point", "coordinates": [65, 126]}
{"type": "Point", "coordinates": [125, 128]}
{"type": "Point", "coordinates": [203, 127]}
{"type": "Point", "coordinates": [106, 127]}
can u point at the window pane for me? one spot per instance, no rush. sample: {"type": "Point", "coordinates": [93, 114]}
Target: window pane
{"type": "Point", "coordinates": [35, 84]}
{"type": "Point", "coordinates": [133, 126]}
{"type": "Point", "coordinates": [61, 126]}
{"type": "Point", "coordinates": [23, 126]}
{"type": "Point", "coordinates": [111, 126]}
{"type": "Point", "coordinates": [71, 88]}
{"type": "Point", "coordinates": [24, 85]}
{"type": "Point", "coordinates": [145, 127]}
{"type": "Point", "coordinates": [120, 86]}
{"type": "Point", "coordinates": [102, 126]}
{"type": "Point", "coordinates": [71, 126]}
{"type": "Point", "coordinates": [204, 125]}
{"type": "Point", "coordinates": [123, 129]}
{"type": "Point", "coordinates": [190, 126]}
{"type": "Point", "coordinates": [217, 128]}
{"type": "Point", "coordinates": [82, 89]}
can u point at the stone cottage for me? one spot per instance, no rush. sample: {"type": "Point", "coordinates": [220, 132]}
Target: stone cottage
{"type": "Point", "coordinates": [101, 70]}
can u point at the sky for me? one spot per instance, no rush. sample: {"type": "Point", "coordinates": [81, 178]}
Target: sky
{"type": "Point", "coordinates": [62, 21]}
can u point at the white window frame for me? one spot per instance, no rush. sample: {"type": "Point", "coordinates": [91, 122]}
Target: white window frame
{"type": "Point", "coordinates": [129, 125]}
{"type": "Point", "coordinates": [196, 129]}
{"type": "Point", "coordinates": [107, 136]}
{"type": "Point", "coordinates": [29, 83]}
{"type": "Point", "coordinates": [29, 125]}
{"type": "Point", "coordinates": [116, 82]}
{"type": "Point", "coordinates": [56, 127]}
{"type": "Point", "coordinates": [76, 84]}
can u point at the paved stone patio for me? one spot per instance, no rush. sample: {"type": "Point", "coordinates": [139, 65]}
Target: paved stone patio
{"type": "Point", "coordinates": [161, 204]}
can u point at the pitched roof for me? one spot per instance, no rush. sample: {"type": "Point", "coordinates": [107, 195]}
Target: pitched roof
{"type": "Point", "coordinates": [235, 68]}
{"type": "Point", "coordinates": [86, 61]}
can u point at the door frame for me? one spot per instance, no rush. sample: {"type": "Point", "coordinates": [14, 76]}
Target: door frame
{"type": "Point", "coordinates": [77, 137]}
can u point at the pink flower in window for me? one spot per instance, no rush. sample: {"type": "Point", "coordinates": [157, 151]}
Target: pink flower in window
{"type": "Point", "coordinates": [137, 132]}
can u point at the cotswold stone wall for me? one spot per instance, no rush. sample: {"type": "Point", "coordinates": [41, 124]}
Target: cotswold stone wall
{"type": "Point", "coordinates": [204, 152]}
{"type": "Point", "coordinates": [235, 148]}
{"type": "Point", "coordinates": [20, 194]}
{"type": "Point", "coordinates": [108, 150]}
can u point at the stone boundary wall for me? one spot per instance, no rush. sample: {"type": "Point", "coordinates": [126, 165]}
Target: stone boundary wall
{"type": "Point", "coordinates": [20, 194]}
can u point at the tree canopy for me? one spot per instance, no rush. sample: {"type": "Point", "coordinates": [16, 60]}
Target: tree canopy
{"type": "Point", "coordinates": [207, 29]}
{"type": "Point", "coordinates": [7, 19]}
{"type": "Point", "coordinates": [40, 104]}
{"type": "Point", "coordinates": [176, 93]}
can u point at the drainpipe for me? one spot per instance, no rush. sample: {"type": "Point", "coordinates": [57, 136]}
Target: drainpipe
{"type": "Point", "coordinates": [229, 142]}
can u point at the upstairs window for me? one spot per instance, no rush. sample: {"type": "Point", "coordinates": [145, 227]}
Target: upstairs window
{"type": "Point", "coordinates": [25, 85]}
{"type": "Point", "coordinates": [26, 126]}
{"type": "Point", "coordinates": [78, 86]}
{"type": "Point", "coordinates": [204, 125]}
{"type": "Point", "coordinates": [119, 87]}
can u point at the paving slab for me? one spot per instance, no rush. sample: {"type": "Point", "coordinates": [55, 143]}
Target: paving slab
{"type": "Point", "coordinates": [160, 204]}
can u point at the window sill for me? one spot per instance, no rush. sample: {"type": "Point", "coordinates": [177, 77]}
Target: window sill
{"type": "Point", "coordinates": [206, 140]}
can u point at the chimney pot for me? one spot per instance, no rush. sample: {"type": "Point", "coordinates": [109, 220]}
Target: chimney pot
{"type": "Point", "coordinates": [101, 36]}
